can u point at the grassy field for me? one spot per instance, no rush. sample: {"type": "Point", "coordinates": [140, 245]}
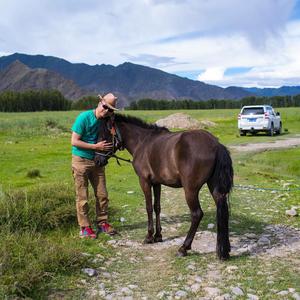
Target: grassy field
{"type": "Point", "coordinates": [41, 255]}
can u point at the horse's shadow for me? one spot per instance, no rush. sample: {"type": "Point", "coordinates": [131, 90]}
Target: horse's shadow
{"type": "Point", "coordinates": [169, 220]}
{"type": "Point", "coordinates": [239, 224]}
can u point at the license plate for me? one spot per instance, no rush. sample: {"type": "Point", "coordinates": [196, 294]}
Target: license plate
{"type": "Point", "coordinates": [252, 119]}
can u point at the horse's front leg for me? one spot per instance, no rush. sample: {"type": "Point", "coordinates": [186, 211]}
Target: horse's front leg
{"type": "Point", "coordinates": [146, 187]}
{"type": "Point", "coordinates": [157, 192]}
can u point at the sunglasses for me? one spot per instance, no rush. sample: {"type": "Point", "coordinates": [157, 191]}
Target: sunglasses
{"type": "Point", "coordinates": [108, 108]}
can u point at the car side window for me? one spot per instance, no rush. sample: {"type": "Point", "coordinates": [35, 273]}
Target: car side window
{"type": "Point", "coordinates": [270, 111]}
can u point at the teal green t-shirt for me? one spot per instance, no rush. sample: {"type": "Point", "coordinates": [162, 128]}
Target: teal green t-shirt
{"type": "Point", "coordinates": [87, 126]}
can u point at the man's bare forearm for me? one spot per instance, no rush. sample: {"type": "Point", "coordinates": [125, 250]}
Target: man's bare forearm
{"type": "Point", "coordinates": [82, 144]}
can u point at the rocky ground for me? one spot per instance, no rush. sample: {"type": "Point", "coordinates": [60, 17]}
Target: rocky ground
{"type": "Point", "coordinates": [153, 262]}
{"type": "Point", "coordinates": [148, 271]}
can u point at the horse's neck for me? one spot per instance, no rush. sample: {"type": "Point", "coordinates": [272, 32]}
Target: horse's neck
{"type": "Point", "coordinates": [133, 136]}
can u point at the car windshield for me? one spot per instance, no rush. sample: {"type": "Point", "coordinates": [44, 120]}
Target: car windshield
{"type": "Point", "coordinates": [253, 111]}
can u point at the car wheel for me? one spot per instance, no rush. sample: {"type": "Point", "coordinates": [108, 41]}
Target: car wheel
{"type": "Point", "coordinates": [279, 131]}
{"type": "Point", "coordinates": [271, 131]}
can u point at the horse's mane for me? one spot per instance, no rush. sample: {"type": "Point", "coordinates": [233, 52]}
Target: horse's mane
{"type": "Point", "coordinates": [139, 122]}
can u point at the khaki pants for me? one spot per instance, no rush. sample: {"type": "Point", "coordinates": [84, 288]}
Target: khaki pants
{"type": "Point", "coordinates": [85, 170]}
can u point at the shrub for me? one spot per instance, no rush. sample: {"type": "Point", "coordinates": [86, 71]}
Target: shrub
{"type": "Point", "coordinates": [33, 173]}
{"type": "Point", "coordinates": [45, 207]}
{"type": "Point", "coordinates": [53, 124]}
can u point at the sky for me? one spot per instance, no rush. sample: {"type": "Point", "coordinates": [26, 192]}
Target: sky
{"type": "Point", "coordinates": [254, 43]}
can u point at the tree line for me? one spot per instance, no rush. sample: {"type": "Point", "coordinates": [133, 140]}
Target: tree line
{"type": "Point", "coordinates": [33, 101]}
{"type": "Point", "coordinates": [275, 101]}
{"type": "Point", "coordinates": [53, 100]}
{"type": "Point", "coordinates": [49, 100]}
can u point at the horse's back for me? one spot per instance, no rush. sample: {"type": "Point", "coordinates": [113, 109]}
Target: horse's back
{"type": "Point", "coordinates": [198, 139]}
{"type": "Point", "coordinates": [190, 140]}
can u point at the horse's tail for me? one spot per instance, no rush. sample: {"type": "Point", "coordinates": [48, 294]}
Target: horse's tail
{"type": "Point", "coordinates": [223, 178]}
{"type": "Point", "coordinates": [223, 170]}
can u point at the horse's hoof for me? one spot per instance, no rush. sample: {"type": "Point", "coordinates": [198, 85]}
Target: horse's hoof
{"type": "Point", "coordinates": [158, 239]}
{"type": "Point", "coordinates": [224, 257]}
{"type": "Point", "coordinates": [148, 240]}
{"type": "Point", "coordinates": [181, 252]}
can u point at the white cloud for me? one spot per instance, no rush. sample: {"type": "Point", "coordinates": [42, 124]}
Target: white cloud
{"type": "Point", "coordinates": [278, 65]}
{"type": "Point", "coordinates": [212, 74]}
{"type": "Point", "coordinates": [176, 36]}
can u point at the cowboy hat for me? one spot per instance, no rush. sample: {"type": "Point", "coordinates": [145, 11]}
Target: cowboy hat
{"type": "Point", "coordinates": [110, 100]}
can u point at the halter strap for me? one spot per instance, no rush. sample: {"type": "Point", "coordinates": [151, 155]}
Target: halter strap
{"type": "Point", "coordinates": [116, 138]}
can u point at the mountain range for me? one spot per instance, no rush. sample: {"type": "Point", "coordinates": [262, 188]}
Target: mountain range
{"type": "Point", "coordinates": [19, 72]}
{"type": "Point", "coordinates": [270, 92]}
{"type": "Point", "coordinates": [129, 81]}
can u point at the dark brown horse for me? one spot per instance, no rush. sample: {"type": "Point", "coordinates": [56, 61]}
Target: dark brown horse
{"type": "Point", "coordinates": [187, 159]}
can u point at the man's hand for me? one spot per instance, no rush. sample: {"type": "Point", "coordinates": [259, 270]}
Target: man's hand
{"type": "Point", "coordinates": [103, 146]}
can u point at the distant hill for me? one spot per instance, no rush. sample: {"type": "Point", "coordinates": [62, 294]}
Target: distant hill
{"type": "Point", "coordinates": [269, 92]}
{"type": "Point", "coordinates": [129, 81]}
{"type": "Point", "coordinates": [19, 77]}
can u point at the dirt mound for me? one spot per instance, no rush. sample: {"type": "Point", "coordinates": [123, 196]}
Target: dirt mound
{"type": "Point", "coordinates": [183, 121]}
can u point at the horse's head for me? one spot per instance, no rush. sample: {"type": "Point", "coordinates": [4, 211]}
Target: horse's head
{"type": "Point", "coordinates": [108, 131]}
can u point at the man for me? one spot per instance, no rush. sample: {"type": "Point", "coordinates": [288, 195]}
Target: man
{"type": "Point", "coordinates": [84, 144]}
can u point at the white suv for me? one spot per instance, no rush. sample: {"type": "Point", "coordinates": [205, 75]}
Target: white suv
{"type": "Point", "coordinates": [257, 118]}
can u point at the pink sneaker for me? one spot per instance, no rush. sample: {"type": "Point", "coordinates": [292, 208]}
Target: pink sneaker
{"type": "Point", "coordinates": [87, 232]}
{"type": "Point", "coordinates": [106, 228]}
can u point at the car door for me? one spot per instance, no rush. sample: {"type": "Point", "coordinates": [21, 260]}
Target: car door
{"type": "Point", "coordinates": [276, 119]}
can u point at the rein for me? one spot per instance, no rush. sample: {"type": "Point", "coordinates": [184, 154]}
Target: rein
{"type": "Point", "coordinates": [110, 154]}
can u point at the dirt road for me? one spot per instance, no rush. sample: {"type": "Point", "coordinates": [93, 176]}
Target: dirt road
{"type": "Point", "coordinates": [277, 144]}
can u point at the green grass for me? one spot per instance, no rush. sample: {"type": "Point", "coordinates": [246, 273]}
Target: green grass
{"type": "Point", "coordinates": [28, 143]}
{"type": "Point", "coordinates": [39, 233]}
{"type": "Point", "coordinates": [29, 262]}
{"type": "Point", "coordinates": [270, 165]}
{"type": "Point", "coordinates": [39, 209]}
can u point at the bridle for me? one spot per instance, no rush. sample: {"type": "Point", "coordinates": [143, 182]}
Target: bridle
{"type": "Point", "coordinates": [117, 144]}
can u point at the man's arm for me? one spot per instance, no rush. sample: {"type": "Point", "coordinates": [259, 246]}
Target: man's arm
{"type": "Point", "coordinates": [100, 146]}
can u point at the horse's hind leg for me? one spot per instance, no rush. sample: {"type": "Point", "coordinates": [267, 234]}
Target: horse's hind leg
{"type": "Point", "coordinates": [157, 191]}
{"type": "Point", "coordinates": [146, 187]}
{"type": "Point", "coordinates": [192, 200]}
{"type": "Point", "coordinates": [223, 244]}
